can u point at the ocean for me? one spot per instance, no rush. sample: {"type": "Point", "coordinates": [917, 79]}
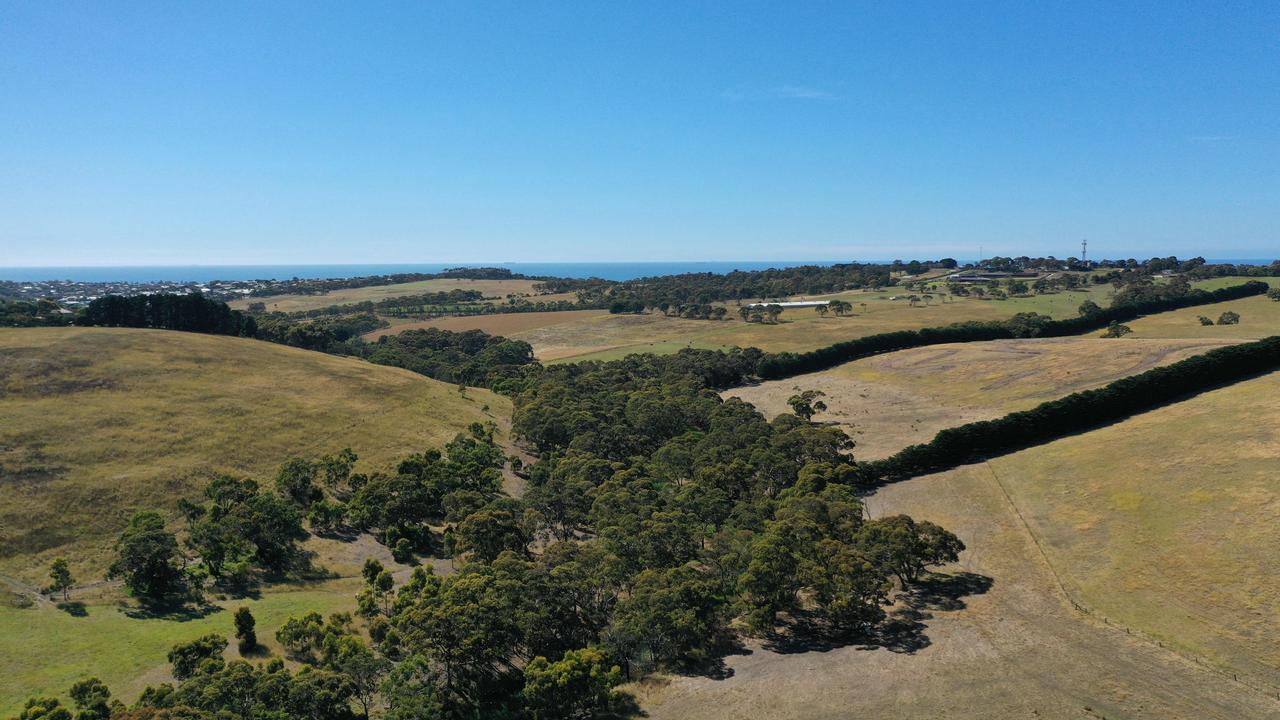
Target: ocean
{"type": "Point", "coordinates": [205, 273]}
{"type": "Point", "coordinates": [606, 270]}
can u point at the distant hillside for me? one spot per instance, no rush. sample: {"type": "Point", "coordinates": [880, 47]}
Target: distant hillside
{"type": "Point", "coordinates": [101, 422]}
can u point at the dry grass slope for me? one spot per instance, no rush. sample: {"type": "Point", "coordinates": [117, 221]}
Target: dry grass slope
{"type": "Point", "coordinates": [490, 288]}
{"type": "Point", "coordinates": [1166, 522]}
{"type": "Point", "coordinates": [99, 423]}
{"type": "Point", "coordinates": [887, 402]}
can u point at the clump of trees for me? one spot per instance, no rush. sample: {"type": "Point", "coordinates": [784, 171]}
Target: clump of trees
{"type": "Point", "coordinates": [147, 559]}
{"type": "Point", "coordinates": [471, 357]}
{"type": "Point", "coordinates": [242, 529]}
{"type": "Point", "coordinates": [618, 307]}
{"type": "Point", "coordinates": [761, 313]}
{"type": "Point", "coordinates": [1116, 330]}
{"type": "Point", "coordinates": [32, 313]}
{"type": "Point", "coordinates": [192, 313]}
{"type": "Point", "coordinates": [432, 487]}
{"type": "Point", "coordinates": [739, 285]}
{"type": "Point", "coordinates": [1229, 318]}
{"type": "Point", "coordinates": [339, 334]}
{"type": "Point", "coordinates": [808, 403]}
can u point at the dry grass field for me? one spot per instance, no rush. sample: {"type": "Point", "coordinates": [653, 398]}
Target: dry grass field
{"type": "Point", "coordinates": [101, 422]}
{"type": "Point", "coordinates": [345, 296]}
{"type": "Point", "coordinates": [1167, 522]}
{"type": "Point", "coordinates": [1259, 318]}
{"type": "Point", "coordinates": [610, 337]}
{"type": "Point", "coordinates": [996, 639]}
{"type": "Point", "coordinates": [505, 324]}
{"type": "Point", "coordinates": [597, 335]}
{"type": "Point", "coordinates": [887, 402]}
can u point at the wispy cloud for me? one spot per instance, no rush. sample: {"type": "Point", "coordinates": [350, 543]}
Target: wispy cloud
{"type": "Point", "coordinates": [743, 93]}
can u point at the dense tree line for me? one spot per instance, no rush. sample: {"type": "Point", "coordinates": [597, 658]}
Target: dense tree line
{"type": "Point", "coordinates": [471, 357]}
{"type": "Point", "coordinates": [192, 313]}
{"type": "Point", "coordinates": [1078, 411]}
{"type": "Point", "coordinates": [1092, 317]}
{"type": "Point", "coordinates": [334, 334]}
{"type": "Point", "coordinates": [303, 286]}
{"type": "Point", "coordinates": [1228, 270]}
{"type": "Point", "coordinates": [705, 288]}
{"type": "Point", "coordinates": [514, 305]}
{"type": "Point", "coordinates": [443, 297]}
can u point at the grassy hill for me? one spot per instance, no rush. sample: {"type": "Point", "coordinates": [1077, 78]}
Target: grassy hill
{"type": "Point", "coordinates": [99, 423]}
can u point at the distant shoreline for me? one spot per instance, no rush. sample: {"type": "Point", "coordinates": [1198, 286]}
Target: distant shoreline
{"type": "Point", "coordinates": [606, 270]}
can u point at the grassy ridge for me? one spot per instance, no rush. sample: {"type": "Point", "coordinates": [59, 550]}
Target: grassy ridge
{"type": "Point", "coordinates": [102, 422]}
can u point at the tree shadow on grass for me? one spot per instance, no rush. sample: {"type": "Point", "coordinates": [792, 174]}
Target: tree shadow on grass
{"type": "Point", "coordinates": [621, 707]}
{"type": "Point", "coordinates": [176, 610]}
{"type": "Point", "coordinates": [74, 608]}
{"type": "Point", "coordinates": [257, 652]}
{"type": "Point", "coordinates": [903, 628]}
{"type": "Point", "coordinates": [714, 666]}
{"type": "Point", "coordinates": [342, 533]}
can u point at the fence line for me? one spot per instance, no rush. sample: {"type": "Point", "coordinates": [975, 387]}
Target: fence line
{"type": "Point", "coordinates": [1225, 671]}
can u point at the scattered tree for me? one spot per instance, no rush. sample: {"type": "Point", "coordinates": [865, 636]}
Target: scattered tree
{"type": "Point", "coordinates": [92, 699]}
{"type": "Point", "coordinates": [60, 577]}
{"type": "Point", "coordinates": [146, 557]}
{"type": "Point", "coordinates": [245, 634]}
{"type": "Point", "coordinates": [186, 658]}
{"type": "Point", "coordinates": [1116, 330]}
{"type": "Point", "coordinates": [806, 404]}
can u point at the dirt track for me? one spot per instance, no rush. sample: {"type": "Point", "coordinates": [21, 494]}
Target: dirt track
{"type": "Point", "coordinates": [1017, 650]}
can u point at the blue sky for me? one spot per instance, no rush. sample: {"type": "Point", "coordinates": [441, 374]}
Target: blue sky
{"type": "Point", "coordinates": [224, 132]}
